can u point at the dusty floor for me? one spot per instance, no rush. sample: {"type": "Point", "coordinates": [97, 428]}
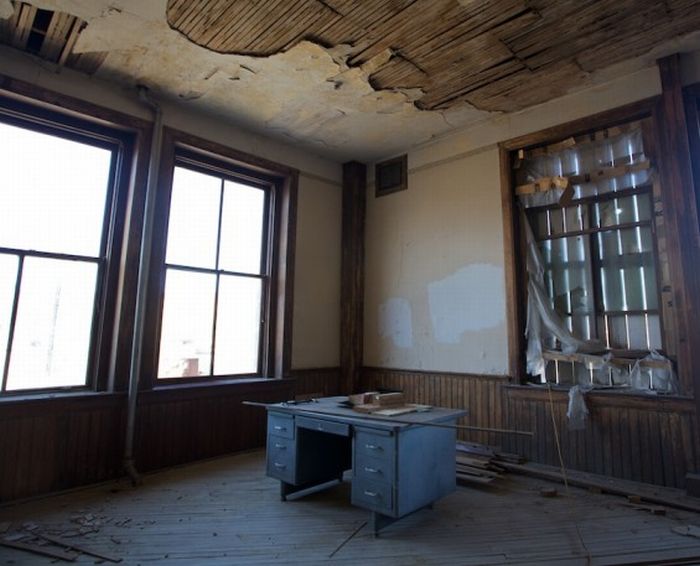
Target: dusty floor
{"type": "Point", "coordinates": [226, 511]}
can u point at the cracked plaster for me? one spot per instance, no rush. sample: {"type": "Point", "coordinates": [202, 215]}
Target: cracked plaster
{"type": "Point", "coordinates": [306, 95]}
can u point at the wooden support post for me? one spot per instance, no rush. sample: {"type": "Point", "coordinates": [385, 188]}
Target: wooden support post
{"type": "Point", "coordinates": [680, 220]}
{"type": "Point", "coordinates": [352, 284]}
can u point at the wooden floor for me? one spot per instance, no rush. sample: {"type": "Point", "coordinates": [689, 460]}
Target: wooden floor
{"type": "Point", "coordinates": [227, 512]}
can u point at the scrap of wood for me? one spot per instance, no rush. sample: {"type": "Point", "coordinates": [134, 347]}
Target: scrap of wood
{"type": "Point", "coordinates": [389, 399]}
{"type": "Point", "coordinates": [567, 196]}
{"type": "Point", "coordinates": [607, 485]}
{"type": "Point", "coordinates": [477, 472]}
{"type": "Point", "coordinates": [687, 531]}
{"type": "Point", "coordinates": [609, 173]}
{"type": "Point", "coordinates": [467, 479]}
{"type": "Point", "coordinates": [598, 136]}
{"type": "Point", "coordinates": [474, 448]}
{"type": "Point", "coordinates": [542, 185]}
{"type": "Point", "coordinates": [41, 550]}
{"type": "Point", "coordinates": [552, 148]}
{"type": "Point", "coordinates": [653, 509]}
{"type": "Point", "coordinates": [79, 548]}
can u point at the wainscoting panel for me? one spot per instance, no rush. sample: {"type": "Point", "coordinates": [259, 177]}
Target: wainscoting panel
{"type": "Point", "coordinates": [643, 438]}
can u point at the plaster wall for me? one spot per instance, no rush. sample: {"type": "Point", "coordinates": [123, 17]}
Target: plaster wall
{"type": "Point", "coordinates": [435, 287]}
{"type": "Point", "coordinates": [317, 269]}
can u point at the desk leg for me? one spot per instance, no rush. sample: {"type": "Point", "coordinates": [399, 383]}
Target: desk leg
{"type": "Point", "coordinates": [379, 521]}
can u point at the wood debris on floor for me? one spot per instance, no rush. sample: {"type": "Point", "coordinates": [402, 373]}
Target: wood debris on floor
{"type": "Point", "coordinates": [32, 538]}
{"type": "Point", "coordinates": [225, 511]}
{"type": "Point", "coordinates": [481, 465]}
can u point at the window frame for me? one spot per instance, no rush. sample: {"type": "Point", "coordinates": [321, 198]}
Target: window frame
{"type": "Point", "coordinates": [646, 110]}
{"type": "Point", "coordinates": [593, 250]}
{"type": "Point", "coordinates": [280, 183]}
{"type": "Point", "coordinates": [28, 114]}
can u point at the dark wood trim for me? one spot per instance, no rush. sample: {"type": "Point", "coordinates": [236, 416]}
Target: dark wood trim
{"type": "Point", "coordinates": [316, 382]}
{"type": "Point", "coordinates": [77, 107]}
{"type": "Point", "coordinates": [511, 265]}
{"type": "Point", "coordinates": [283, 182]}
{"type": "Point", "coordinates": [605, 398]}
{"type": "Point", "coordinates": [352, 279]}
{"type": "Point", "coordinates": [642, 109]}
{"type": "Point", "coordinates": [680, 220]}
{"type": "Point", "coordinates": [692, 89]}
{"type": "Point", "coordinates": [59, 404]}
{"type": "Point", "coordinates": [125, 135]}
{"type": "Point", "coordinates": [425, 372]}
{"type": "Point", "coordinates": [692, 112]}
{"type": "Point", "coordinates": [286, 248]}
{"type": "Point", "coordinates": [217, 151]}
{"type": "Point", "coordinates": [639, 109]}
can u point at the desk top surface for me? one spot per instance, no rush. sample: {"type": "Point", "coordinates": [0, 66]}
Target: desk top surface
{"type": "Point", "coordinates": [329, 407]}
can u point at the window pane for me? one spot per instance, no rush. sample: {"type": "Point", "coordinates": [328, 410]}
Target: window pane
{"type": "Point", "coordinates": [194, 219]}
{"type": "Point", "coordinates": [654, 323]}
{"type": "Point", "coordinates": [238, 325]}
{"type": "Point", "coordinates": [186, 334]}
{"type": "Point", "coordinates": [52, 192]}
{"type": "Point", "coordinates": [628, 275]}
{"type": "Point", "coordinates": [242, 228]}
{"type": "Point", "coordinates": [568, 274]}
{"type": "Point", "coordinates": [635, 208]}
{"type": "Point", "coordinates": [54, 321]}
{"type": "Point", "coordinates": [8, 278]}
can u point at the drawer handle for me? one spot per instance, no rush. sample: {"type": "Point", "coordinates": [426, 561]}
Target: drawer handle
{"type": "Point", "coordinates": [280, 446]}
{"type": "Point", "coordinates": [371, 493]}
{"type": "Point", "coordinates": [372, 470]}
{"type": "Point", "coordinates": [277, 427]}
{"type": "Point", "coordinates": [373, 447]}
{"type": "Point", "coordinates": [280, 466]}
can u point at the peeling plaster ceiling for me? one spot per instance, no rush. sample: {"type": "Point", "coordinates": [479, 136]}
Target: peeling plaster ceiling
{"type": "Point", "coordinates": [325, 98]}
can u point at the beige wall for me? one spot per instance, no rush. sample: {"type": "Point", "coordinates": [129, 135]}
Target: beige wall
{"type": "Point", "coordinates": [435, 288]}
{"type": "Point", "coordinates": [317, 269]}
{"type": "Point", "coordinates": [317, 276]}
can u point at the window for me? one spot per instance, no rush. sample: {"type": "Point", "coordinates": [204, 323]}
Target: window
{"type": "Point", "coordinates": [217, 271]}
{"type": "Point", "coordinates": [58, 195]}
{"type": "Point", "coordinates": [592, 254]}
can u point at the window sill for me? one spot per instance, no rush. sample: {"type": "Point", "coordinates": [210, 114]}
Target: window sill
{"type": "Point", "coordinates": [22, 397]}
{"type": "Point", "coordinates": [212, 388]}
{"type": "Point", "coordinates": [171, 384]}
{"type": "Point", "coordinates": [603, 397]}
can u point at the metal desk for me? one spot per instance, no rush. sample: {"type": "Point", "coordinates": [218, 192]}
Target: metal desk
{"type": "Point", "coordinates": [396, 468]}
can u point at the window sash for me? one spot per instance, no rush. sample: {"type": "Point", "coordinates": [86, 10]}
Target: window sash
{"type": "Point", "coordinates": [226, 173]}
{"type": "Point", "coordinates": [45, 122]}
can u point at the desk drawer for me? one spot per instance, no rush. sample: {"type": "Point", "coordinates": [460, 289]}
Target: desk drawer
{"type": "Point", "coordinates": [281, 458]}
{"type": "Point", "coordinates": [280, 425]}
{"type": "Point", "coordinates": [322, 425]}
{"type": "Point", "coordinates": [374, 469]}
{"type": "Point", "coordinates": [373, 445]}
{"type": "Point", "coordinates": [376, 496]}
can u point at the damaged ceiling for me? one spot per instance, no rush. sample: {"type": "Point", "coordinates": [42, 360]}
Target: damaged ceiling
{"type": "Point", "coordinates": [350, 79]}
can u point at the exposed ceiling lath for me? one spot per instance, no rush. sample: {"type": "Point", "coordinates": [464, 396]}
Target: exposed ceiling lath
{"type": "Point", "coordinates": [50, 35]}
{"type": "Point", "coordinates": [500, 55]}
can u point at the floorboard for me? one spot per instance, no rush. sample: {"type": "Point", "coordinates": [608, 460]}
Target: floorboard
{"type": "Point", "coordinates": [226, 511]}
